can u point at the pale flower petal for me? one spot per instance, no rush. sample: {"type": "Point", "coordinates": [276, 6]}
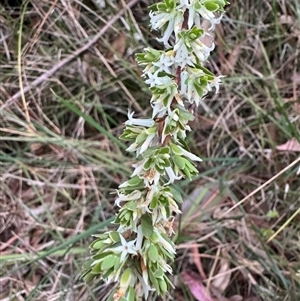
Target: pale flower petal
{"type": "Point", "coordinates": [139, 121]}
{"type": "Point", "coordinates": [135, 195]}
{"type": "Point", "coordinates": [189, 155]}
{"type": "Point", "coordinates": [172, 176]}
{"type": "Point", "coordinates": [169, 247]}
{"type": "Point", "coordinates": [127, 247]}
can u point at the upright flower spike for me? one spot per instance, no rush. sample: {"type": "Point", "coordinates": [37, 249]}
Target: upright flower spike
{"type": "Point", "coordinates": [137, 255]}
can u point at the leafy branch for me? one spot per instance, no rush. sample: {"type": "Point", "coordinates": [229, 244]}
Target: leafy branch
{"type": "Point", "coordinates": [137, 254]}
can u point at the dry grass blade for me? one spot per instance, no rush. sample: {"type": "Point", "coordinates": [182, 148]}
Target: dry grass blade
{"type": "Point", "coordinates": [295, 162]}
{"type": "Point", "coordinates": [68, 59]}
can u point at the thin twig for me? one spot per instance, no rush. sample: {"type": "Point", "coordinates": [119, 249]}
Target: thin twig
{"type": "Point", "coordinates": [65, 61]}
{"type": "Point", "coordinates": [261, 187]}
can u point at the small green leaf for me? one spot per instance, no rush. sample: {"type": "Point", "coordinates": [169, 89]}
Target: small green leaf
{"type": "Point", "coordinates": [114, 236]}
{"type": "Point", "coordinates": [179, 161]}
{"type": "Point", "coordinates": [131, 294]}
{"type": "Point", "coordinates": [165, 101]}
{"type": "Point", "coordinates": [170, 4]}
{"type": "Point", "coordinates": [163, 285]}
{"type": "Point", "coordinates": [198, 89]}
{"type": "Point", "coordinates": [102, 236]}
{"type": "Point", "coordinates": [87, 264]}
{"type": "Point", "coordinates": [154, 282]}
{"type": "Point", "coordinates": [125, 279]}
{"type": "Point", "coordinates": [134, 181]}
{"type": "Point", "coordinates": [127, 216]}
{"type": "Point", "coordinates": [147, 227]}
{"type": "Point", "coordinates": [161, 7]}
{"type": "Point", "coordinates": [153, 203]}
{"type": "Point", "coordinates": [191, 167]}
{"type": "Point", "coordinates": [148, 163]}
{"type": "Point", "coordinates": [186, 115]}
{"type": "Point", "coordinates": [88, 277]}
{"type": "Point", "coordinates": [159, 169]}
{"type": "Point", "coordinates": [221, 2]}
{"type": "Point", "coordinates": [102, 255]}
{"type": "Point", "coordinates": [273, 213]}
{"type": "Point", "coordinates": [151, 130]}
{"type": "Point", "coordinates": [97, 268]}
{"type": "Point", "coordinates": [164, 150]}
{"type": "Point", "coordinates": [266, 232]}
{"type": "Point", "coordinates": [108, 262]}
{"type": "Point", "coordinates": [131, 206]}
{"type": "Point", "coordinates": [153, 253]}
{"type": "Point", "coordinates": [159, 273]}
{"type": "Point", "coordinates": [177, 195]}
{"type": "Point", "coordinates": [176, 150]}
{"type": "Point", "coordinates": [118, 264]}
{"type": "Point", "coordinates": [211, 6]}
{"type": "Point", "coordinates": [140, 138]}
{"type": "Point", "coordinates": [187, 172]}
{"type": "Point", "coordinates": [97, 245]}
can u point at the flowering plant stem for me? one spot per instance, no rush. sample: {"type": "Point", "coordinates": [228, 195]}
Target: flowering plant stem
{"type": "Point", "coordinates": [137, 254]}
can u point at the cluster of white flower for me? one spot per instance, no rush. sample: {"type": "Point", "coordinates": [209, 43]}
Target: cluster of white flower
{"type": "Point", "coordinates": [136, 255]}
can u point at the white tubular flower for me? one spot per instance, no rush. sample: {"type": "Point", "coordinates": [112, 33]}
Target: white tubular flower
{"type": "Point", "coordinates": [139, 121]}
{"type": "Point", "coordinates": [173, 117]}
{"type": "Point", "coordinates": [202, 51]}
{"type": "Point", "coordinates": [182, 61]}
{"type": "Point", "coordinates": [146, 288]}
{"type": "Point", "coordinates": [193, 18]}
{"type": "Point", "coordinates": [182, 56]}
{"type": "Point", "coordinates": [162, 241]}
{"type": "Point", "coordinates": [133, 147]}
{"type": "Point", "coordinates": [174, 206]}
{"type": "Point", "coordinates": [160, 215]}
{"type": "Point", "coordinates": [178, 21]}
{"type": "Point", "coordinates": [203, 11]}
{"type": "Point", "coordinates": [127, 247]}
{"type": "Point", "coordinates": [175, 127]}
{"type": "Point", "coordinates": [151, 191]}
{"type": "Point", "coordinates": [185, 3]}
{"type": "Point", "coordinates": [164, 266]}
{"type": "Point", "coordinates": [139, 238]}
{"type": "Point", "coordinates": [197, 9]}
{"type": "Point", "coordinates": [143, 208]}
{"type": "Point", "coordinates": [159, 19]}
{"type": "Point", "coordinates": [135, 195]}
{"type": "Point", "coordinates": [216, 83]}
{"type": "Point", "coordinates": [155, 80]}
{"type": "Point", "coordinates": [161, 101]}
{"type": "Point", "coordinates": [174, 20]}
{"type": "Point", "coordinates": [165, 63]}
{"type": "Point", "coordinates": [138, 168]}
{"type": "Point", "coordinates": [184, 77]}
{"type": "Point", "coordinates": [194, 96]}
{"type": "Point", "coordinates": [158, 109]}
{"type": "Point", "coordinates": [146, 143]}
{"type": "Point", "coordinates": [189, 155]}
{"type": "Point", "coordinates": [140, 148]}
{"type": "Point", "coordinates": [151, 178]}
{"type": "Point", "coordinates": [189, 79]}
{"type": "Point", "coordinates": [172, 176]}
{"type": "Point", "coordinates": [214, 22]}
